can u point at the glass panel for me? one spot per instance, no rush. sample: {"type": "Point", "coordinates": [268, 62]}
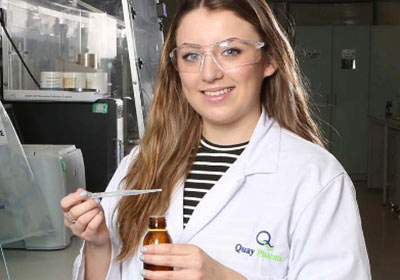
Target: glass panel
{"type": "Point", "coordinates": [148, 40]}
{"type": "Point", "coordinates": [55, 36]}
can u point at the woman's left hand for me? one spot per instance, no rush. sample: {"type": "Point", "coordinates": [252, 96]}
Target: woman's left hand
{"type": "Point", "coordinates": [189, 261]}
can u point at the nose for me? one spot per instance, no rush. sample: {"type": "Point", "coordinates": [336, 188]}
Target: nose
{"type": "Point", "coordinates": [209, 68]}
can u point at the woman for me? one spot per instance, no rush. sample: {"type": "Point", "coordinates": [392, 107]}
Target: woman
{"type": "Point", "coordinates": [248, 190]}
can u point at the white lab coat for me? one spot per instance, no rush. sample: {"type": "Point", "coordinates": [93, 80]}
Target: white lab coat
{"type": "Point", "coordinates": [282, 189]}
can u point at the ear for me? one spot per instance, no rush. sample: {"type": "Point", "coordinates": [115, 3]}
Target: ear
{"type": "Point", "coordinates": [270, 68]}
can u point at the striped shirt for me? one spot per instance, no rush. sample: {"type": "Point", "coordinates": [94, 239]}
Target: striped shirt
{"type": "Point", "coordinates": [211, 162]}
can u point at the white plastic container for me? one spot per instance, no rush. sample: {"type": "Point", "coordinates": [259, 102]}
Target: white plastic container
{"type": "Point", "coordinates": [51, 80]}
{"type": "Point", "coordinates": [97, 81]}
{"type": "Point", "coordinates": [80, 80]}
{"type": "Point", "coordinates": [59, 170]}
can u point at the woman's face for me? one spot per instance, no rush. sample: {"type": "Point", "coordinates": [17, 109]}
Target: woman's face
{"type": "Point", "coordinates": [222, 98]}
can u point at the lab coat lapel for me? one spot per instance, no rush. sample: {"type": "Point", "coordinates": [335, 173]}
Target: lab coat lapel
{"type": "Point", "coordinates": [174, 215]}
{"type": "Point", "coordinates": [213, 202]}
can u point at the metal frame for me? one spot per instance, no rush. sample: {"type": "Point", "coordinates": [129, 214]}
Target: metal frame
{"type": "Point", "coordinates": [130, 35]}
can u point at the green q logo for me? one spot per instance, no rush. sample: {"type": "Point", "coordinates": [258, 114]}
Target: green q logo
{"type": "Point", "coordinates": [264, 238]}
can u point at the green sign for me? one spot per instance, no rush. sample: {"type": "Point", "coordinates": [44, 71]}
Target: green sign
{"type": "Point", "coordinates": [100, 108]}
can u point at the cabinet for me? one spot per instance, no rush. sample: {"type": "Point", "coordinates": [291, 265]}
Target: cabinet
{"type": "Point", "coordinates": [336, 61]}
{"type": "Point", "coordinates": [384, 157]}
{"type": "Point", "coordinates": [377, 152]}
{"type": "Point", "coordinates": [314, 51]}
{"type": "Point", "coordinates": [385, 67]}
{"type": "Point", "coordinates": [96, 128]}
{"type": "Point", "coordinates": [394, 166]}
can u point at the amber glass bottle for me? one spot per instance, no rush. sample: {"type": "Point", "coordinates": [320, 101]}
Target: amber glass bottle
{"type": "Point", "coordinates": [157, 234]}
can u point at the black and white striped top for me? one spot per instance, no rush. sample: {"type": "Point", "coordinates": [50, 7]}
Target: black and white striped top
{"type": "Point", "coordinates": [211, 162]}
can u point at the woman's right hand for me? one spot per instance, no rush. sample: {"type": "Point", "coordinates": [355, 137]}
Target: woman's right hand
{"type": "Point", "coordinates": [85, 218]}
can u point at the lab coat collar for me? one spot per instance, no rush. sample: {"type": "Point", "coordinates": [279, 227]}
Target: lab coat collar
{"type": "Point", "coordinates": [260, 156]}
{"type": "Point", "coordinates": [262, 153]}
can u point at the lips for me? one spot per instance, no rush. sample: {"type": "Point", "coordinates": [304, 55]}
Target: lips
{"type": "Point", "coordinates": [217, 92]}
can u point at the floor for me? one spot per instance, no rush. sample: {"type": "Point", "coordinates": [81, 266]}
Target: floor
{"type": "Point", "coordinates": [381, 229]}
{"type": "Point", "coordinates": [41, 265]}
{"type": "Point", "coordinates": [382, 234]}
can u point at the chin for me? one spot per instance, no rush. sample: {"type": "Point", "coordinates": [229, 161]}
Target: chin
{"type": "Point", "coordinates": [219, 120]}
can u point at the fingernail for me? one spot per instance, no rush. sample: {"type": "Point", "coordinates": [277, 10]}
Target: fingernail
{"type": "Point", "coordinates": [143, 250]}
{"type": "Point", "coordinates": [141, 257]}
{"type": "Point", "coordinates": [142, 272]}
{"type": "Point", "coordinates": [83, 193]}
{"type": "Point", "coordinates": [97, 200]}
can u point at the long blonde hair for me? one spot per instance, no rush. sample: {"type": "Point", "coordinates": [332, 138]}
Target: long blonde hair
{"type": "Point", "coordinates": [173, 130]}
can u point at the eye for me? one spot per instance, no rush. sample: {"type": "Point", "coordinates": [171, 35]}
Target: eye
{"type": "Point", "coordinates": [232, 52]}
{"type": "Point", "coordinates": [191, 57]}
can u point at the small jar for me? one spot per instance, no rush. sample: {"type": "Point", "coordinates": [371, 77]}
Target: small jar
{"type": "Point", "coordinates": [69, 80]}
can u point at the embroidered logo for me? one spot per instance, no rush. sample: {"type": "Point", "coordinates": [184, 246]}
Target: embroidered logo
{"type": "Point", "coordinates": [263, 238]}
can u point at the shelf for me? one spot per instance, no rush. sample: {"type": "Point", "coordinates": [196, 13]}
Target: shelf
{"type": "Point", "coordinates": [53, 96]}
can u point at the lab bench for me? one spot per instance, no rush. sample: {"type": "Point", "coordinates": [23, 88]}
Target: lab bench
{"type": "Point", "coordinates": [384, 157]}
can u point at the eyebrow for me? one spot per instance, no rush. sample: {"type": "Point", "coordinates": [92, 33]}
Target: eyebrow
{"type": "Point", "coordinates": [199, 46]}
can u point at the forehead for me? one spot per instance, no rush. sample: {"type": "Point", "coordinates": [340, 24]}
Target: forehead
{"type": "Point", "coordinates": [204, 27]}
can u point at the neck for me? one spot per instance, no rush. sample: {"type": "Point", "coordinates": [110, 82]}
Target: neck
{"type": "Point", "coordinates": [230, 134]}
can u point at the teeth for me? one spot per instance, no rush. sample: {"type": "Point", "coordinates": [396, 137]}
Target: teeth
{"type": "Point", "coordinates": [216, 93]}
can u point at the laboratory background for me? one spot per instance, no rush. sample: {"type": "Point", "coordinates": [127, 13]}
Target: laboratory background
{"type": "Point", "coordinates": [77, 81]}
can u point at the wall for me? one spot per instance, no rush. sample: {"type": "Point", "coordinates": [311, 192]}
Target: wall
{"type": "Point", "coordinates": [332, 14]}
{"type": "Point", "coordinates": [388, 13]}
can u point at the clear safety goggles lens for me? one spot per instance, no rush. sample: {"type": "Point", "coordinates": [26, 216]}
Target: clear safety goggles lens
{"type": "Point", "coordinates": [228, 55]}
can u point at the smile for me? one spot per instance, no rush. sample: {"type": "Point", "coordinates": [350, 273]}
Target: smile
{"type": "Point", "coordinates": [219, 92]}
